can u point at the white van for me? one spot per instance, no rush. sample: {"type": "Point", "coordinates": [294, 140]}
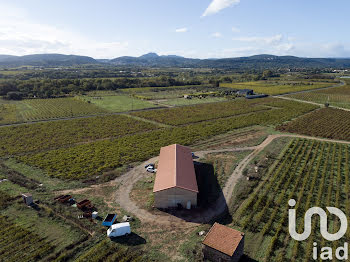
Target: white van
{"type": "Point", "coordinates": [120, 229]}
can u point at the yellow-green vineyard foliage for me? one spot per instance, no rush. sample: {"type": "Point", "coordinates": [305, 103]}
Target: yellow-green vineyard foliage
{"type": "Point", "coordinates": [271, 88]}
{"type": "Point", "coordinates": [38, 109]}
{"type": "Point", "coordinates": [326, 122]}
{"type": "Point", "coordinates": [90, 159]}
{"type": "Point", "coordinates": [8, 113]}
{"type": "Point", "coordinates": [202, 112]}
{"type": "Point", "coordinates": [43, 136]}
{"type": "Point", "coordinates": [337, 96]}
{"type": "Point", "coordinates": [108, 251]}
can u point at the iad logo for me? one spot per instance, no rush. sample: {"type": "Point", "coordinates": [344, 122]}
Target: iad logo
{"type": "Point", "coordinates": [323, 222]}
{"type": "Point", "coordinates": [326, 252]}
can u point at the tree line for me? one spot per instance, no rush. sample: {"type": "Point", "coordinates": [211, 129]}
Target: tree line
{"type": "Point", "coordinates": [48, 88]}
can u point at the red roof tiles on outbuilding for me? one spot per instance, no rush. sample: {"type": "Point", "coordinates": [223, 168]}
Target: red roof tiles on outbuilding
{"type": "Point", "coordinates": [223, 239]}
{"type": "Point", "coordinates": [175, 169]}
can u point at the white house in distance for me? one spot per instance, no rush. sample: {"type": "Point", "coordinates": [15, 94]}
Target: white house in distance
{"type": "Point", "coordinates": [175, 182]}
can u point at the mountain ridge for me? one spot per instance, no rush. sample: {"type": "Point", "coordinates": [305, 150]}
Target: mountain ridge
{"type": "Point", "coordinates": [262, 61]}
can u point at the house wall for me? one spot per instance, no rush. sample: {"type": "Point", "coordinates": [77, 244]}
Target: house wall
{"type": "Point", "coordinates": [216, 256]}
{"type": "Point", "coordinates": [173, 196]}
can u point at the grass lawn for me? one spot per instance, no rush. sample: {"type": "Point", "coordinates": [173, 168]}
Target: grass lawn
{"type": "Point", "coordinates": [59, 233]}
{"type": "Point", "coordinates": [183, 102]}
{"type": "Point", "coordinates": [39, 176]}
{"type": "Point", "coordinates": [120, 103]}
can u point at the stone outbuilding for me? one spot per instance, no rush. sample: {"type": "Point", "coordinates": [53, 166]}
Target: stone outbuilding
{"type": "Point", "coordinates": [223, 244]}
{"type": "Point", "coordinates": [175, 184]}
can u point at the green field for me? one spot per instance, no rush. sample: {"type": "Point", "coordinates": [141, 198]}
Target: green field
{"type": "Point", "coordinates": [39, 109]}
{"type": "Point", "coordinates": [278, 87]}
{"type": "Point", "coordinates": [170, 92]}
{"type": "Point", "coordinates": [43, 109]}
{"type": "Point", "coordinates": [185, 102]}
{"type": "Point", "coordinates": [119, 103]}
{"type": "Point", "coordinates": [8, 112]}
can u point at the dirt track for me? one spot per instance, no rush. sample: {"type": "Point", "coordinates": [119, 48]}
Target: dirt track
{"type": "Point", "coordinates": [130, 178]}
{"type": "Point", "coordinates": [126, 182]}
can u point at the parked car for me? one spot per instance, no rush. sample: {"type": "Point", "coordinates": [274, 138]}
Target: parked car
{"type": "Point", "coordinates": [120, 229]}
{"type": "Point", "coordinates": [149, 165]}
{"type": "Point", "coordinates": [151, 169]}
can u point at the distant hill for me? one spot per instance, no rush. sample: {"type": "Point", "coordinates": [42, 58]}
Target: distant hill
{"type": "Point", "coordinates": [256, 61]}
{"type": "Point", "coordinates": [154, 60]}
{"type": "Point", "coordinates": [48, 60]}
{"type": "Point", "coordinates": [263, 61]}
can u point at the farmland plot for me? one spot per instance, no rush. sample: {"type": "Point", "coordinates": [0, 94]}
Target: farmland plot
{"type": "Point", "coordinates": [314, 174]}
{"type": "Point", "coordinates": [39, 109]}
{"type": "Point", "coordinates": [15, 239]}
{"type": "Point", "coordinates": [326, 122]}
{"type": "Point", "coordinates": [337, 96]}
{"type": "Point", "coordinates": [85, 160]}
{"type": "Point", "coordinates": [275, 88]}
{"type": "Point", "coordinates": [48, 135]}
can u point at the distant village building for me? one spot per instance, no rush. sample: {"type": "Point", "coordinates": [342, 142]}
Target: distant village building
{"type": "Point", "coordinates": [27, 198]}
{"type": "Point", "coordinates": [223, 244]}
{"type": "Point", "coordinates": [175, 184]}
{"type": "Point", "coordinates": [245, 92]}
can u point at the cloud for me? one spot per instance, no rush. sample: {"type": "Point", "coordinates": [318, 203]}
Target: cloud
{"type": "Point", "coordinates": [235, 29]}
{"type": "Point", "coordinates": [218, 5]}
{"type": "Point", "coordinates": [247, 46]}
{"type": "Point", "coordinates": [266, 40]}
{"type": "Point", "coordinates": [216, 35]}
{"type": "Point", "coordinates": [20, 35]}
{"type": "Point", "coordinates": [181, 30]}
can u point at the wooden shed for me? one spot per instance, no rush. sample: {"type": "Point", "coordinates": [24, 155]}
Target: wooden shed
{"type": "Point", "coordinates": [175, 182]}
{"type": "Point", "coordinates": [223, 244]}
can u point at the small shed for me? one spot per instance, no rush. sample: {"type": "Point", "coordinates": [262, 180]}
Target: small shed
{"type": "Point", "coordinates": [245, 92]}
{"type": "Point", "coordinates": [223, 244]}
{"type": "Point", "coordinates": [27, 198]}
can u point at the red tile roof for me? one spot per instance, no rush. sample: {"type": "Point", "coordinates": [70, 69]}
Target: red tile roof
{"type": "Point", "coordinates": [223, 239]}
{"type": "Point", "coordinates": [175, 169]}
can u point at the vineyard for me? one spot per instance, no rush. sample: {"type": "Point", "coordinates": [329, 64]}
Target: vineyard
{"type": "Point", "coordinates": [19, 244]}
{"type": "Point", "coordinates": [85, 160]}
{"type": "Point", "coordinates": [39, 109]}
{"type": "Point", "coordinates": [8, 113]}
{"type": "Point", "coordinates": [198, 113]}
{"type": "Point", "coordinates": [205, 112]}
{"type": "Point", "coordinates": [43, 136]}
{"type": "Point", "coordinates": [314, 174]}
{"type": "Point", "coordinates": [118, 103]}
{"type": "Point", "coordinates": [337, 96]}
{"type": "Point", "coordinates": [276, 88]}
{"type": "Point", "coordinates": [326, 122]}
{"type": "Point", "coordinates": [108, 251]}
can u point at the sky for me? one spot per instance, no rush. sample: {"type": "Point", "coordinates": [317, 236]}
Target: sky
{"type": "Point", "coordinates": [190, 28]}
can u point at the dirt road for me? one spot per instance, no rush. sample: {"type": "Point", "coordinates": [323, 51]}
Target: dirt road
{"type": "Point", "coordinates": [130, 178]}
